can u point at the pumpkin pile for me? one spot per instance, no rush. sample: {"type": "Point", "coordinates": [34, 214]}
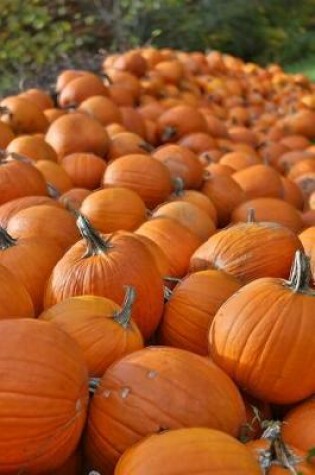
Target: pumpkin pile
{"type": "Point", "coordinates": [157, 270]}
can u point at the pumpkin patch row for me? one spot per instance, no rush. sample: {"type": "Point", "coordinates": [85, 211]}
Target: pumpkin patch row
{"type": "Point", "coordinates": [157, 270]}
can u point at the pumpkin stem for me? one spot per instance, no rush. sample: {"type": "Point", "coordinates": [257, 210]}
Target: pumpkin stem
{"type": "Point", "coordinates": [53, 192]}
{"type": "Point", "coordinates": [6, 240]}
{"type": "Point", "coordinates": [168, 133]}
{"type": "Point", "coordinates": [147, 147]}
{"type": "Point", "coordinates": [251, 218]}
{"type": "Point", "coordinates": [179, 186]}
{"type": "Point", "coordinates": [107, 77]}
{"type": "Point", "coordinates": [167, 293]}
{"type": "Point", "coordinates": [94, 384]}
{"type": "Point", "coordinates": [123, 317]}
{"type": "Point", "coordinates": [286, 457]}
{"type": "Point", "coordinates": [5, 111]}
{"type": "Point", "coordinates": [300, 275]}
{"type": "Point", "coordinates": [95, 243]}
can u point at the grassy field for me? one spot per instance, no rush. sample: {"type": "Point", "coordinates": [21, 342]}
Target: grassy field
{"type": "Point", "coordinates": [306, 66]}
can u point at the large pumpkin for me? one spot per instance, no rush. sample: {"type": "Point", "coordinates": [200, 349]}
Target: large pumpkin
{"type": "Point", "coordinates": [298, 426]}
{"type": "Point", "coordinates": [247, 342]}
{"type": "Point", "coordinates": [191, 309]}
{"type": "Point", "coordinates": [44, 396]}
{"type": "Point", "coordinates": [104, 330]}
{"type": "Point", "coordinates": [102, 265]}
{"type": "Point", "coordinates": [187, 451]}
{"type": "Point", "coordinates": [15, 301]}
{"type": "Point", "coordinates": [155, 389]}
{"type": "Point", "coordinates": [32, 147]}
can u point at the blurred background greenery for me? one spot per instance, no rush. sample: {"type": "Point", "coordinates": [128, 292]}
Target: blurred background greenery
{"type": "Point", "coordinates": [40, 37]}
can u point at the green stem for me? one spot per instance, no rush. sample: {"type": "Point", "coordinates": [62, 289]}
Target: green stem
{"type": "Point", "coordinates": [6, 241]}
{"type": "Point", "coordinates": [95, 243]}
{"type": "Point", "coordinates": [123, 317]}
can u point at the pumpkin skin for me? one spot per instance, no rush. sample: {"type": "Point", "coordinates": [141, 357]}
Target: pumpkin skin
{"type": "Point", "coordinates": [127, 143]}
{"type": "Point", "coordinates": [190, 216]}
{"type": "Point", "coordinates": [298, 426]}
{"type": "Point", "coordinates": [187, 451]}
{"type": "Point", "coordinates": [114, 209]}
{"type": "Point", "coordinates": [15, 301]}
{"type": "Point", "coordinates": [80, 89]}
{"type": "Point", "coordinates": [55, 175]}
{"type": "Point", "coordinates": [77, 132]}
{"type": "Point", "coordinates": [178, 121]}
{"type": "Point", "coordinates": [225, 194]}
{"type": "Point", "coordinates": [133, 121]}
{"type": "Point", "coordinates": [259, 181]}
{"type": "Point", "coordinates": [31, 260]}
{"type": "Point", "coordinates": [74, 197]}
{"type": "Point", "coordinates": [142, 174]}
{"type": "Point", "coordinates": [196, 198]}
{"type": "Point", "coordinates": [18, 179]}
{"type": "Point", "coordinates": [182, 163]}
{"type": "Point", "coordinates": [47, 222]}
{"type": "Point", "coordinates": [6, 135]}
{"type": "Point", "coordinates": [24, 117]}
{"type": "Point", "coordinates": [239, 160]}
{"type": "Point", "coordinates": [307, 238]}
{"type": "Point", "coordinates": [9, 209]}
{"type": "Point", "coordinates": [112, 269]}
{"type": "Point", "coordinates": [191, 309]}
{"type": "Point", "coordinates": [292, 193]}
{"type": "Point", "coordinates": [104, 330]}
{"type": "Point", "coordinates": [270, 210]}
{"type": "Point", "coordinates": [84, 169]}
{"type": "Point", "coordinates": [237, 250]}
{"type": "Point", "coordinates": [127, 405]}
{"type": "Point", "coordinates": [103, 109]}
{"type": "Point", "coordinates": [164, 232]}
{"type": "Point", "coordinates": [253, 319]}
{"type": "Point", "coordinates": [161, 261]}
{"type": "Point", "coordinates": [32, 147]}
{"type": "Point", "coordinates": [56, 391]}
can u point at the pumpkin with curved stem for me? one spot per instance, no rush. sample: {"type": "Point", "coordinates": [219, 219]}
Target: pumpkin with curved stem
{"type": "Point", "coordinates": [19, 178]}
{"type": "Point", "coordinates": [142, 174]}
{"type": "Point", "coordinates": [31, 260]}
{"type": "Point", "coordinates": [102, 265]}
{"type": "Point", "coordinates": [104, 330]}
{"type": "Point", "coordinates": [196, 449]}
{"type": "Point", "coordinates": [245, 336]}
{"type": "Point", "coordinates": [126, 143]}
{"type": "Point", "coordinates": [191, 309]}
{"type": "Point", "coordinates": [84, 169]}
{"type": "Point", "coordinates": [270, 210]}
{"type": "Point", "coordinates": [114, 209]}
{"type": "Point", "coordinates": [189, 215]}
{"type": "Point", "coordinates": [32, 147]}
{"type": "Point", "coordinates": [165, 232]}
{"type": "Point", "coordinates": [9, 209]}
{"type": "Point", "coordinates": [101, 108]}
{"type": "Point", "coordinates": [48, 385]}
{"type": "Point", "coordinates": [238, 251]}
{"type": "Point", "coordinates": [181, 162]}
{"type": "Point", "coordinates": [155, 389]}
{"type": "Point", "coordinates": [22, 115]}
{"type": "Point", "coordinates": [15, 301]}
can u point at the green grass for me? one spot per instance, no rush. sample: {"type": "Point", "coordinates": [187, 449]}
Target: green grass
{"type": "Point", "coordinates": [306, 66]}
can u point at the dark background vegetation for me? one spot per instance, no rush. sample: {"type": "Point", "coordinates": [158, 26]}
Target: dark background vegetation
{"type": "Point", "coordinates": [40, 37]}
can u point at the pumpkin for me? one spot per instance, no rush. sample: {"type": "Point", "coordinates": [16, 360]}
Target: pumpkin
{"type": "Point", "coordinates": [239, 160]}
{"type": "Point", "coordinates": [170, 70]}
{"type": "Point", "coordinates": [198, 142]}
{"type": "Point", "coordinates": [165, 232]}
{"type": "Point", "coordinates": [81, 88]}
{"type": "Point", "coordinates": [131, 61]}
{"type": "Point", "coordinates": [237, 250]}
{"type": "Point", "coordinates": [298, 426]}
{"type": "Point", "coordinates": [22, 115]}
{"type": "Point", "coordinates": [190, 216]}
{"type": "Point", "coordinates": [191, 450]}
{"type": "Point", "coordinates": [101, 108]}
{"type": "Point", "coordinates": [301, 123]}
{"type": "Point", "coordinates": [290, 159]}
{"type": "Point", "coordinates": [178, 121]}
{"type": "Point", "coordinates": [55, 175]}
{"type": "Point", "coordinates": [191, 309]}
{"type": "Point", "coordinates": [126, 80]}
{"type": "Point", "coordinates": [104, 330]}
{"type": "Point", "coordinates": [84, 169]}
{"type": "Point", "coordinates": [40, 97]}
{"type": "Point", "coordinates": [292, 193]}
{"type": "Point", "coordinates": [74, 197]}
{"type": "Point", "coordinates": [102, 266]}
{"type": "Point", "coordinates": [149, 391]}
{"type": "Point", "coordinates": [259, 181]}
{"type": "Point", "coordinates": [32, 147]}
{"type": "Point", "coordinates": [120, 95]}
{"type": "Point", "coordinates": [161, 260]}
{"type": "Point", "coordinates": [48, 222]}
{"type": "Point", "coordinates": [149, 178]}
{"type": "Point", "coordinates": [31, 260]}
{"type": "Point", "coordinates": [254, 319]}
{"type": "Point", "coordinates": [270, 210]}
{"type": "Point", "coordinates": [54, 114]}
{"type": "Point", "coordinates": [181, 162]}
{"type": "Point", "coordinates": [114, 209]}
{"type": "Point", "coordinates": [66, 76]}
{"type": "Point", "coordinates": [133, 121]}
{"type": "Point", "coordinates": [126, 143]}
{"type": "Point", "coordinates": [307, 238]}
{"type": "Point", "coordinates": [217, 169]}
{"type": "Point", "coordinates": [194, 197]}
{"type": "Point", "coordinates": [15, 301]}
{"type": "Point", "coordinates": [302, 168]}
{"type": "Point", "coordinates": [77, 132]}
{"type": "Point", "coordinates": [9, 209]}
{"type": "Point", "coordinates": [50, 384]}
{"type": "Point", "coordinates": [18, 179]}
{"type": "Point", "coordinates": [225, 194]}
{"type": "Point", "coordinates": [6, 135]}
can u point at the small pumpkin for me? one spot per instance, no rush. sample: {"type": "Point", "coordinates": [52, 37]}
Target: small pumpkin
{"type": "Point", "coordinates": [22, 115]}
{"type": "Point", "coordinates": [32, 147]}
{"type": "Point", "coordinates": [101, 108]}
{"type": "Point", "coordinates": [178, 121]}
{"type": "Point", "coordinates": [84, 169]}
{"type": "Point", "coordinates": [81, 88]}
{"type": "Point", "coordinates": [126, 143]}
{"type": "Point", "coordinates": [55, 175]}
{"type": "Point", "coordinates": [259, 181]}
{"type": "Point", "coordinates": [9, 209]}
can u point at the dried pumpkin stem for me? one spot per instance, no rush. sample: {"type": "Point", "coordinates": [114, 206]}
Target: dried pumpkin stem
{"type": "Point", "coordinates": [5, 111]}
{"type": "Point", "coordinates": [147, 147]}
{"type": "Point", "coordinates": [167, 293]}
{"type": "Point", "coordinates": [94, 384]}
{"type": "Point", "coordinates": [53, 192]}
{"type": "Point", "coordinates": [168, 133]}
{"type": "Point", "coordinates": [123, 317]}
{"type": "Point", "coordinates": [300, 275]}
{"type": "Point", "coordinates": [95, 243]}
{"type": "Point", "coordinates": [179, 186]}
{"type": "Point", "coordinates": [6, 241]}
{"type": "Point", "coordinates": [251, 218]}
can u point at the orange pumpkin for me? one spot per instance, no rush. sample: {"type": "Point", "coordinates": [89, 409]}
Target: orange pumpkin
{"type": "Point", "coordinates": [74, 197]}
{"type": "Point", "coordinates": [15, 301]}
{"type": "Point", "coordinates": [109, 257]}
{"type": "Point", "coordinates": [101, 108]}
{"type": "Point", "coordinates": [149, 391]}
{"type": "Point", "coordinates": [81, 88]}
{"type": "Point", "coordinates": [9, 209]}
{"type": "Point", "coordinates": [55, 175]}
{"type": "Point", "coordinates": [178, 121]}
{"type": "Point", "coordinates": [6, 135]}
{"type": "Point", "coordinates": [104, 330]}
{"type": "Point", "coordinates": [298, 426]}
{"type": "Point", "coordinates": [196, 198]}
{"type": "Point", "coordinates": [32, 147]}
{"type": "Point", "coordinates": [259, 181]}
{"type": "Point", "coordinates": [84, 169]}
{"type": "Point", "coordinates": [126, 143]}
{"type": "Point", "coordinates": [49, 384]}
{"type": "Point", "coordinates": [307, 238]}
{"type": "Point", "coordinates": [22, 115]}
{"type": "Point", "coordinates": [198, 142]}
{"type": "Point", "coordinates": [195, 449]}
